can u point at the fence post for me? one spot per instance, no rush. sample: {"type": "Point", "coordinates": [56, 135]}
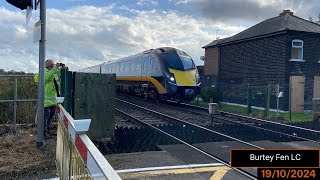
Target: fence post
{"type": "Point", "coordinates": [316, 111]}
{"type": "Point", "coordinates": [278, 91]}
{"type": "Point", "coordinates": [15, 89]}
{"type": "Point", "coordinates": [66, 89]}
{"type": "Point", "coordinates": [290, 115]}
{"type": "Point", "coordinates": [63, 83]}
{"type": "Point", "coordinates": [267, 101]}
{"type": "Point", "coordinates": [249, 109]}
{"type": "Point", "coordinates": [220, 89]}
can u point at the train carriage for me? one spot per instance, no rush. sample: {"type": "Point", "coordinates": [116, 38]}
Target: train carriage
{"type": "Point", "coordinates": [166, 73]}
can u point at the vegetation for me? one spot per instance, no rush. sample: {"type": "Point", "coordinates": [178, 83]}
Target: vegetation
{"type": "Point", "coordinates": [210, 92]}
{"type": "Point", "coordinates": [296, 117]}
{"type": "Point", "coordinates": [26, 89]}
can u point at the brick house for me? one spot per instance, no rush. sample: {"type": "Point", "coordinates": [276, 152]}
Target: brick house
{"type": "Point", "coordinates": [282, 50]}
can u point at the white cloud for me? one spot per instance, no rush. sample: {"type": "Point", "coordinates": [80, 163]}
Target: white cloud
{"type": "Point", "coordinates": [179, 2]}
{"type": "Point", "coordinates": [21, 32]}
{"type": "Point", "coordinates": [87, 35]}
{"type": "Point", "coordinates": [147, 2]}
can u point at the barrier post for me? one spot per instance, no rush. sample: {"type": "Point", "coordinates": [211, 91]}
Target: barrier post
{"type": "Point", "coordinates": [77, 157]}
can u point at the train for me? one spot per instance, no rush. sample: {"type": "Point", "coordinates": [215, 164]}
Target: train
{"type": "Point", "coordinates": [161, 73]}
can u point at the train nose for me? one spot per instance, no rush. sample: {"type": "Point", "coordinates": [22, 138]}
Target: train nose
{"type": "Point", "coordinates": [188, 92]}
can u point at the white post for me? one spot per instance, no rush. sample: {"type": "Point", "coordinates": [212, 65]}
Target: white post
{"type": "Point", "coordinates": [278, 91]}
{"type": "Point", "coordinates": [212, 110]}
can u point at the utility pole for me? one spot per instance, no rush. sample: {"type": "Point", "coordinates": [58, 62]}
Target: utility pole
{"type": "Point", "coordinates": [42, 56]}
{"type": "Point", "coordinates": [28, 5]}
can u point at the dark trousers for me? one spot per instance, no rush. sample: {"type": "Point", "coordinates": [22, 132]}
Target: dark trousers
{"type": "Point", "coordinates": [48, 116]}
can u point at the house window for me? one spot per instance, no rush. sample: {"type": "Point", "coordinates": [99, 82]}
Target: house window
{"type": "Point", "coordinates": [297, 51]}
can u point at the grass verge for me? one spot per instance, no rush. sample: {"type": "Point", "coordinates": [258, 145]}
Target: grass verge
{"type": "Point", "coordinates": [295, 117]}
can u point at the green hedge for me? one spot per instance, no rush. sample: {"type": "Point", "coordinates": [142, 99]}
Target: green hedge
{"type": "Point", "coordinates": [210, 92]}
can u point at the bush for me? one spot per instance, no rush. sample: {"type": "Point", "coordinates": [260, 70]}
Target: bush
{"type": "Point", "coordinates": [210, 92]}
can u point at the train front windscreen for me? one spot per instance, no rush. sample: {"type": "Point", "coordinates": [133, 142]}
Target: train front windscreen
{"type": "Point", "coordinates": [178, 61]}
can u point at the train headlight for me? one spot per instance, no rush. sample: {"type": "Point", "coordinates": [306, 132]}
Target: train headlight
{"type": "Point", "coordinates": [170, 78]}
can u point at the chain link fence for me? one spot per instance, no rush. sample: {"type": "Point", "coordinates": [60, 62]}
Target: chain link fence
{"type": "Point", "coordinates": [272, 101]}
{"type": "Point", "coordinates": [18, 99]}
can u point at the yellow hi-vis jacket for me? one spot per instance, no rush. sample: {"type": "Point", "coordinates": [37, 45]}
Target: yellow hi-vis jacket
{"type": "Point", "coordinates": [50, 92]}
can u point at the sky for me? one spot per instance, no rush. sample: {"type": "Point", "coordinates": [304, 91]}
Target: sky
{"type": "Point", "coordinates": [82, 33]}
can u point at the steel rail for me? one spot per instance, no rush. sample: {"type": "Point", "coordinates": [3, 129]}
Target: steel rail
{"type": "Point", "coordinates": [270, 130]}
{"type": "Point", "coordinates": [189, 145]}
{"type": "Point", "coordinates": [277, 132]}
{"type": "Point", "coordinates": [195, 125]}
{"type": "Point", "coordinates": [257, 119]}
{"type": "Point", "coordinates": [271, 122]}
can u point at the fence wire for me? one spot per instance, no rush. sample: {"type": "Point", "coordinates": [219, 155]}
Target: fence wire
{"type": "Point", "coordinates": [18, 95]}
{"type": "Point", "coordinates": [270, 101]}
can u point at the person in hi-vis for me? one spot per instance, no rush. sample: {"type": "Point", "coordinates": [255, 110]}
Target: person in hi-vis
{"type": "Point", "coordinates": [51, 91]}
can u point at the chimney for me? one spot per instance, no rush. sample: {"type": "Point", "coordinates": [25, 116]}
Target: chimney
{"type": "Point", "coordinates": [286, 12]}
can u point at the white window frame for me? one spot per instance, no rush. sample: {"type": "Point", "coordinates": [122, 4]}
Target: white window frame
{"type": "Point", "coordinates": [294, 46]}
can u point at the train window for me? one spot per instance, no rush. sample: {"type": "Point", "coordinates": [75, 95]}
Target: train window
{"type": "Point", "coordinates": [132, 67]}
{"type": "Point", "coordinates": [178, 61]}
{"type": "Point", "coordinates": [186, 60]}
{"type": "Point", "coordinates": [122, 67]}
{"type": "Point", "coordinates": [136, 67]}
{"type": "Point", "coordinates": [127, 68]}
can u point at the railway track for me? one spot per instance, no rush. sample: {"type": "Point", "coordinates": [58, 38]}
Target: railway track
{"type": "Point", "coordinates": [200, 116]}
{"type": "Point", "coordinates": [150, 117]}
{"type": "Point", "coordinates": [301, 133]}
{"type": "Point", "coordinates": [154, 120]}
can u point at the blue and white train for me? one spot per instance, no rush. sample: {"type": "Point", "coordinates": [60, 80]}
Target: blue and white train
{"type": "Point", "coordinates": [166, 73]}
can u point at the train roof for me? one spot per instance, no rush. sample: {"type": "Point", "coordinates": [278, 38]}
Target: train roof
{"type": "Point", "coordinates": [159, 50]}
{"type": "Point", "coordinates": [154, 51]}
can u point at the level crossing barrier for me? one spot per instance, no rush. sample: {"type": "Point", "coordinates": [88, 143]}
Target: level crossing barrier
{"type": "Point", "coordinates": [77, 157]}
